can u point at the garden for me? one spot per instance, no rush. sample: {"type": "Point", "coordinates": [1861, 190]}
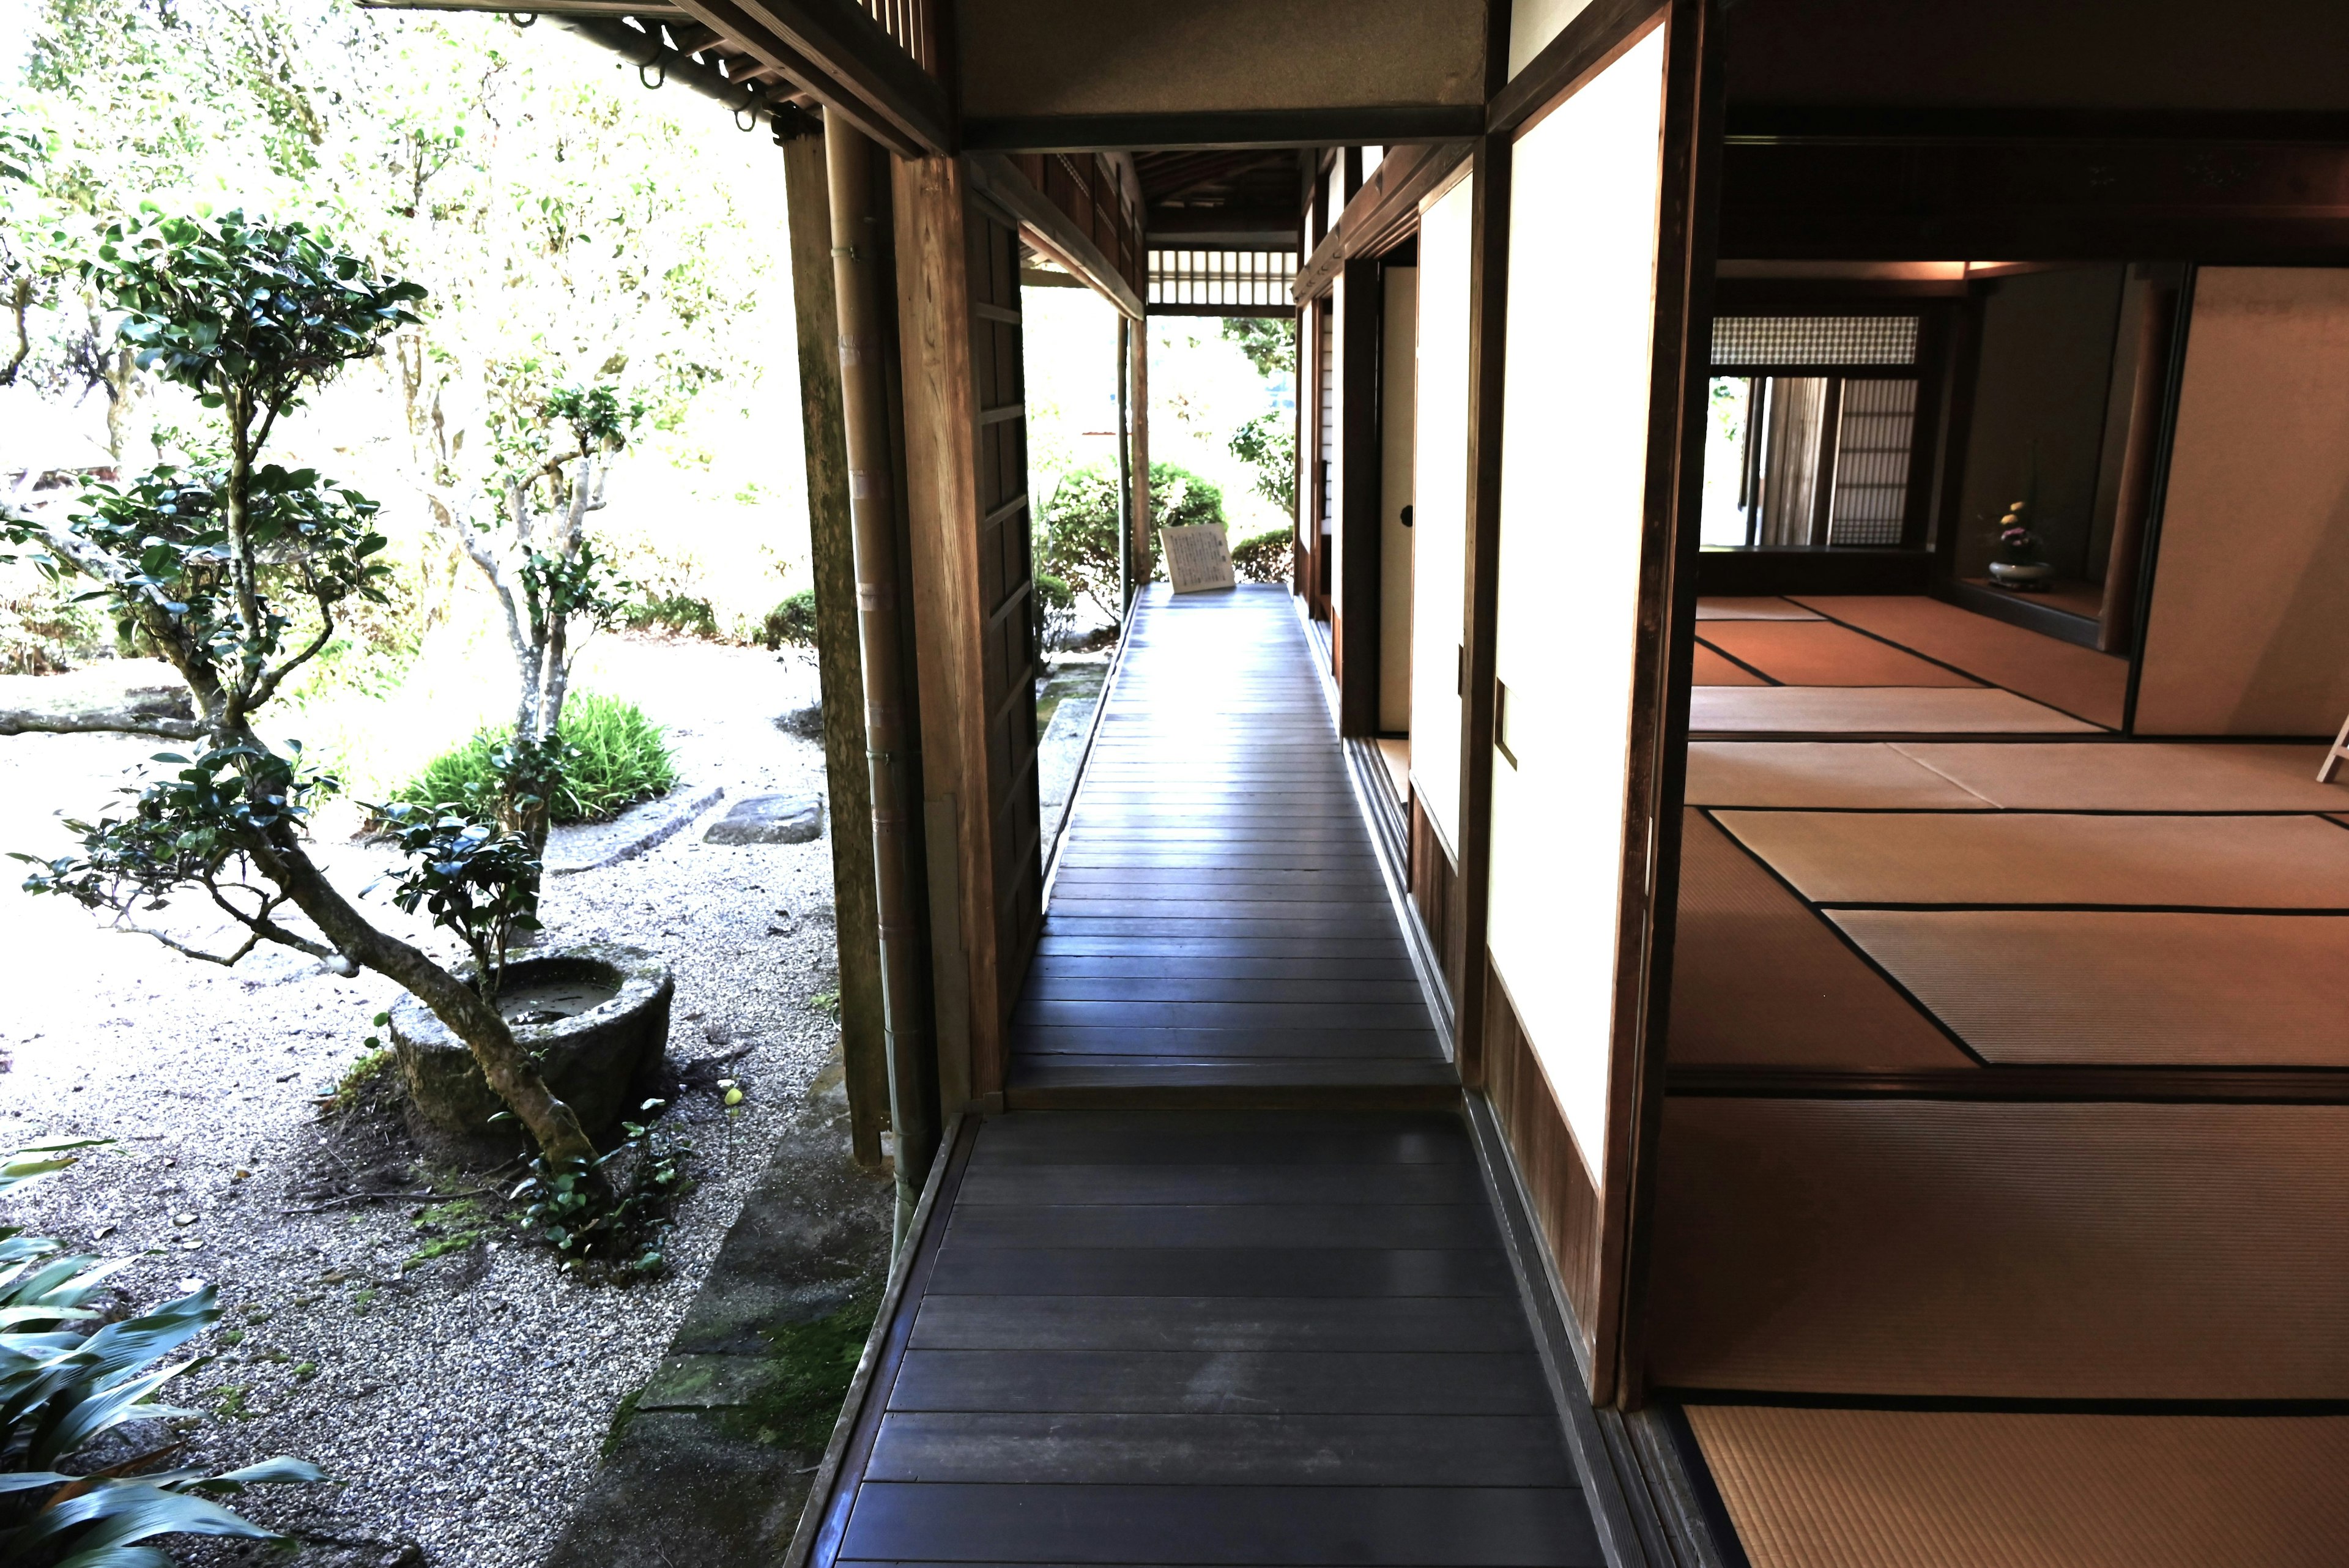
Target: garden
{"type": "Point", "coordinates": [410, 755]}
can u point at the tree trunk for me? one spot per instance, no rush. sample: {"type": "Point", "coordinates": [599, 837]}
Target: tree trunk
{"type": "Point", "coordinates": [504, 1062]}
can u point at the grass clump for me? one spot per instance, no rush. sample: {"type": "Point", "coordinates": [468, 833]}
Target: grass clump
{"type": "Point", "coordinates": [361, 1076]}
{"type": "Point", "coordinates": [614, 757]}
{"type": "Point", "coordinates": [622, 1413]}
{"type": "Point", "coordinates": [453, 1227]}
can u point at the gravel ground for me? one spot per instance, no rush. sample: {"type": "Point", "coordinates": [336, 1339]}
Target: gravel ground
{"type": "Point", "coordinates": [458, 1403]}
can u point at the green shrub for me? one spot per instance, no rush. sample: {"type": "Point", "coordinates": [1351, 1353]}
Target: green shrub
{"type": "Point", "coordinates": [680, 613]}
{"type": "Point", "coordinates": [791, 621]}
{"type": "Point", "coordinates": [44, 627]}
{"type": "Point", "coordinates": [1264, 557]}
{"type": "Point", "coordinates": [1076, 531]}
{"type": "Point", "coordinates": [1056, 609]}
{"type": "Point", "coordinates": [614, 757]}
{"type": "Point", "coordinates": [1268, 443]}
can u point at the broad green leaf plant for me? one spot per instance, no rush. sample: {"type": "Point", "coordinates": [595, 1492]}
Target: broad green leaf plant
{"type": "Point", "coordinates": [64, 1387]}
{"type": "Point", "coordinates": [236, 574]}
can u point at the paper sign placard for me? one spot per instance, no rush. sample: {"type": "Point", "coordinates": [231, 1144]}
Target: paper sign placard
{"type": "Point", "coordinates": [1197, 558]}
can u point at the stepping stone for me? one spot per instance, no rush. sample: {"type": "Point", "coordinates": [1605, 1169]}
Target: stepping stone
{"type": "Point", "coordinates": [769, 819]}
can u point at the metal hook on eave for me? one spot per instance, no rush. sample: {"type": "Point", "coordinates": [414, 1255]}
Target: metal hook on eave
{"type": "Point", "coordinates": [521, 19]}
{"type": "Point", "coordinates": [746, 117]}
{"type": "Point", "coordinates": [653, 84]}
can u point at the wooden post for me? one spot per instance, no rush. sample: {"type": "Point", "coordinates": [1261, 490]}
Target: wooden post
{"type": "Point", "coordinates": [950, 622]}
{"type": "Point", "coordinates": [1139, 551]}
{"type": "Point", "coordinates": [1125, 326]}
{"type": "Point", "coordinates": [1354, 619]}
{"type": "Point", "coordinates": [1488, 294]}
{"type": "Point", "coordinates": [840, 667]}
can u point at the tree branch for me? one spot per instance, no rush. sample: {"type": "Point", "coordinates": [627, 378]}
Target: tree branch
{"type": "Point", "coordinates": [128, 721]}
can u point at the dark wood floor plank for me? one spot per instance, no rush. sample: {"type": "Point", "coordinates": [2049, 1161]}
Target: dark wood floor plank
{"type": "Point", "coordinates": [1354, 1272]}
{"type": "Point", "coordinates": [1056, 965]}
{"type": "Point", "coordinates": [1389, 1324]}
{"type": "Point", "coordinates": [1049, 1010]}
{"type": "Point", "coordinates": [1301, 1227]}
{"type": "Point", "coordinates": [1224, 1138]}
{"type": "Point", "coordinates": [1224, 1526]}
{"type": "Point", "coordinates": [1291, 988]}
{"type": "Point", "coordinates": [1201, 1182]}
{"type": "Point", "coordinates": [1042, 1043]}
{"type": "Point", "coordinates": [1400, 1383]}
{"type": "Point", "coordinates": [1291, 1448]}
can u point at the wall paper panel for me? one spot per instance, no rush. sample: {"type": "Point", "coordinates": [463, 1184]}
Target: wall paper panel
{"type": "Point", "coordinates": [1440, 513]}
{"type": "Point", "coordinates": [2248, 629]}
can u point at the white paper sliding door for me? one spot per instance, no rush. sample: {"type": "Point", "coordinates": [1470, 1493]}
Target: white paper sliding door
{"type": "Point", "coordinates": [1585, 205]}
{"type": "Point", "coordinates": [1440, 507]}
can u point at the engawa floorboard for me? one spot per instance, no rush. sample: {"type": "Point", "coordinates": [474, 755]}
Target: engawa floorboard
{"type": "Point", "coordinates": [1247, 1338]}
{"type": "Point", "coordinates": [1218, 898]}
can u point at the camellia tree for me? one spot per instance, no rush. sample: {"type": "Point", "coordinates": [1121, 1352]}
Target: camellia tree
{"type": "Point", "coordinates": [209, 567]}
{"type": "Point", "coordinates": [547, 575]}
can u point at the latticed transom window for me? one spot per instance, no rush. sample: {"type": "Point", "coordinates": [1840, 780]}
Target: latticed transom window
{"type": "Point", "coordinates": [1236, 279]}
{"type": "Point", "coordinates": [1768, 341]}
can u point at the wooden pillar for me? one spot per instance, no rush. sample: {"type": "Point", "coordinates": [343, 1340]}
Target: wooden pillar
{"type": "Point", "coordinates": [1354, 620]}
{"type": "Point", "coordinates": [840, 667]}
{"type": "Point", "coordinates": [934, 325]}
{"type": "Point", "coordinates": [1488, 296]}
{"type": "Point", "coordinates": [1140, 552]}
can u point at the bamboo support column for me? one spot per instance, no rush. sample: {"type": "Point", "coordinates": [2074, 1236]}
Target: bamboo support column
{"type": "Point", "coordinates": [866, 411]}
{"type": "Point", "coordinates": [840, 665]}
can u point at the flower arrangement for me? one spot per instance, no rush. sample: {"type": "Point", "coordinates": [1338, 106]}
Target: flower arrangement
{"type": "Point", "coordinates": [2017, 544]}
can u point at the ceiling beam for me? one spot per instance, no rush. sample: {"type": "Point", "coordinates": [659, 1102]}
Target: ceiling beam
{"type": "Point", "coordinates": [1050, 230]}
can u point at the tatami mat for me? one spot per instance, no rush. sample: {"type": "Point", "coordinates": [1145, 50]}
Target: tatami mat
{"type": "Point", "coordinates": [2137, 775]}
{"type": "Point", "coordinates": [1760, 980]}
{"type": "Point", "coordinates": [1820, 653]}
{"type": "Point", "coordinates": [2063, 674]}
{"type": "Point", "coordinates": [1996, 858]}
{"type": "Point", "coordinates": [1765, 608]}
{"type": "Point", "coordinates": [1912, 1488]}
{"type": "Point", "coordinates": [2030, 987]}
{"type": "Point", "coordinates": [2002, 1250]}
{"type": "Point", "coordinates": [1873, 711]}
{"type": "Point", "coordinates": [1860, 775]}
{"type": "Point", "coordinates": [1712, 670]}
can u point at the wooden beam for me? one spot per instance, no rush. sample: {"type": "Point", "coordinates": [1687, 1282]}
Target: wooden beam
{"type": "Point", "coordinates": [1389, 127]}
{"type": "Point", "coordinates": [910, 125]}
{"type": "Point", "coordinates": [2020, 197]}
{"type": "Point", "coordinates": [1381, 212]}
{"type": "Point", "coordinates": [840, 664]}
{"type": "Point", "coordinates": [843, 36]}
{"type": "Point", "coordinates": [1050, 230]}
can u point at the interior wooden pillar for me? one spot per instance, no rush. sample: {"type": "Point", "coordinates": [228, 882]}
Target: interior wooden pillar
{"type": "Point", "coordinates": [942, 509]}
{"type": "Point", "coordinates": [1488, 297]}
{"type": "Point", "coordinates": [1354, 629]}
{"type": "Point", "coordinates": [840, 665]}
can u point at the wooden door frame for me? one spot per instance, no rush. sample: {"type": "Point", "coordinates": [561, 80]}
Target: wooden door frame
{"type": "Point", "coordinates": [1671, 510]}
{"type": "Point", "coordinates": [1354, 629]}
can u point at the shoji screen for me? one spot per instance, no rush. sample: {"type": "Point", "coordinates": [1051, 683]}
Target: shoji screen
{"type": "Point", "coordinates": [1584, 210]}
{"type": "Point", "coordinates": [1439, 508]}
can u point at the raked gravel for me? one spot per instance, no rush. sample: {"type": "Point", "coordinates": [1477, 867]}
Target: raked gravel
{"type": "Point", "coordinates": [459, 1404]}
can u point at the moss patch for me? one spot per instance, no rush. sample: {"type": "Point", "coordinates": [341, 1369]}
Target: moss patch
{"type": "Point", "coordinates": [812, 1364]}
{"type": "Point", "coordinates": [622, 1413]}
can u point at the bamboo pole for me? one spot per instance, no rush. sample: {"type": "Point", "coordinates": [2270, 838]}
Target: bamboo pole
{"type": "Point", "coordinates": [840, 665]}
{"type": "Point", "coordinates": [865, 408]}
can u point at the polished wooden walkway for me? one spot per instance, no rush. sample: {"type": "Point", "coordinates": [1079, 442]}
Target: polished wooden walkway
{"type": "Point", "coordinates": [1218, 918]}
{"type": "Point", "coordinates": [1225, 1338]}
{"type": "Point", "coordinates": [1244, 1337]}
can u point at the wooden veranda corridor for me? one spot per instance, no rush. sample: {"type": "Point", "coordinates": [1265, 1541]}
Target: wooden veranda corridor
{"type": "Point", "coordinates": [1218, 919]}
{"type": "Point", "coordinates": [1285, 1332]}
